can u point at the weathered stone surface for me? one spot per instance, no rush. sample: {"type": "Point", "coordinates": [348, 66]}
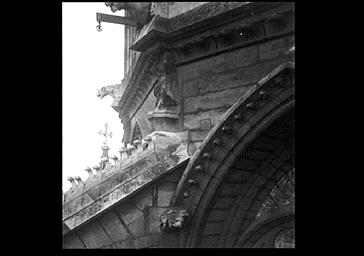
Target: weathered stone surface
{"type": "Point", "coordinates": [128, 213]}
{"type": "Point", "coordinates": [72, 241]}
{"type": "Point", "coordinates": [177, 8]}
{"type": "Point", "coordinates": [76, 204]}
{"type": "Point", "coordinates": [173, 219]}
{"type": "Point", "coordinates": [242, 57]}
{"type": "Point", "coordinates": [193, 121]}
{"type": "Point", "coordinates": [143, 199]}
{"type": "Point", "coordinates": [165, 192]}
{"type": "Point", "coordinates": [275, 48]}
{"type": "Point", "coordinates": [154, 214]}
{"type": "Point", "coordinates": [113, 226]}
{"type": "Point", "coordinates": [137, 226]}
{"type": "Point", "coordinates": [217, 64]}
{"type": "Point", "coordinates": [198, 135]}
{"type": "Point", "coordinates": [93, 235]}
{"type": "Point", "coordinates": [283, 23]}
{"type": "Point", "coordinates": [213, 100]}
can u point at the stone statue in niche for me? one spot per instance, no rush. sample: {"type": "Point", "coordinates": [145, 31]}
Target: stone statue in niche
{"type": "Point", "coordinates": [165, 89]}
{"type": "Point", "coordinates": [162, 93]}
{"type": "Point", "coordinates": [165, 115]}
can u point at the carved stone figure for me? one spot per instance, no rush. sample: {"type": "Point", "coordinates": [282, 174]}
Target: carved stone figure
{"type": "Point", "coordinates": [137, 10]}
{"type": "Point", "coordinates": [166, 83]}
{"type": "Point", "coordinates": [173, 219]}
{"type": "Point", "coordinates": [108, 90]}
{"type": "Point", "coordinates": [164, 99]}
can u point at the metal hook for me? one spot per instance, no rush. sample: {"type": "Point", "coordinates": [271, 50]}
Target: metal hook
{"type": "Point", "coordinates": [98, 27]}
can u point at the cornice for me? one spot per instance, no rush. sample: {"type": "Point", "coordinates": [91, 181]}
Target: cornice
{"type": "Point", "coordinates": [209, 22]}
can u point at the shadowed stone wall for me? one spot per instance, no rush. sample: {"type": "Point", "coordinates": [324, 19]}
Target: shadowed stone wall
{"type": "Point", "coordinates": [211, 85]}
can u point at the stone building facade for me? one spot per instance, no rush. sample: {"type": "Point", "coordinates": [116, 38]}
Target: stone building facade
{"type": "Point", "coordinates": [208, 108]}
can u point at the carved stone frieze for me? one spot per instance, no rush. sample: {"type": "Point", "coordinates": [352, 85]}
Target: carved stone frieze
{"type": "Point", "coordinates": [173, 219]}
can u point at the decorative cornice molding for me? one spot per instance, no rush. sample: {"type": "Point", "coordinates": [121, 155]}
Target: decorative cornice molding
{"type": "Point", "coordinates": [220, 31]}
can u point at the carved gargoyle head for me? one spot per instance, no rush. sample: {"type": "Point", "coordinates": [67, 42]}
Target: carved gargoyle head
{"type": "Point", "coordinates": [101, 92]}
{"type": "Point", "coordinates": [137, 10]}
{"type": "Point", "coordinates": [173, 219]}
{"type": "Point", "coordinates": [107, 90]}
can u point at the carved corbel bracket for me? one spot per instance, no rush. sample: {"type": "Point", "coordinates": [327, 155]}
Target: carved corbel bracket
{"type": "Point", "coordinates": [173, 219]}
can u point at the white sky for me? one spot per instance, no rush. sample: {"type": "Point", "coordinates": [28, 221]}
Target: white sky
{"type": "Point", "coordinates": [91, 60]}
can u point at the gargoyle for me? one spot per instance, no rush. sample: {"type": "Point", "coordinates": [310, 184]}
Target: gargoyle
{"type": "Point", "coordinates": [173, 219]}
{"type": "Point", "coordinates": [137, 10]}
{"type": "Point", "coordinates": [108, 90]}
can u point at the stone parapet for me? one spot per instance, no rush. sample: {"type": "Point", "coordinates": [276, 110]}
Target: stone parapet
{"type": "Point", "coordinates": [144, 161]}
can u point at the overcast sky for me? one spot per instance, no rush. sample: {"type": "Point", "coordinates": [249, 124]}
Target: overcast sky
{"type": "Point", "coordinates": [91, 60]}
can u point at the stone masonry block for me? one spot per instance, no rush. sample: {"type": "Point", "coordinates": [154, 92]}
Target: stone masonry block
{"type": "Point", "coordinates": [217, 215]}
{"type": "Point", "coordinates": [71, 241]}
{"type": "Point", "coordinates": [193, 121]}
{"type": "Point", "coordinates": [241, 57]}
{"type": "Point", "coordinates": [212, 228]}
{"type": "Point", "coordinates": [128, 213]}
{"type": "Point", "coordinates": [137, 227]}
{"type": "Point", "coordinates": [93, 235]}
{"type": "Point", "coordinates": [154, 214]}
{"type": "Point", "coordinates": [209, 242]}
{"type": "Point", "coordinates": [190, 88]}
{"type": "Point", "coordinates": [205, 124]}
{"type": "Point", "coordinates": [144, 199]}
{"type": "Point", "coordinates": [203, 68]}
{"type": "Point", "coordinates": [223, 202]}
{"type": "Point", "coordinates": [213, 100]}
{"type": "Point", "coordinates": [113, 226]}
{"type": "Point", "coordinates": [143, 242]}
{"type": "Point", "coordinates": [165, 192]}
{"type": "Point", "coordinates": [275, 48]}
{"type": "Point", "coordinates": [174, 176]}
{"type": "Point", "coordinates": [198, 135]}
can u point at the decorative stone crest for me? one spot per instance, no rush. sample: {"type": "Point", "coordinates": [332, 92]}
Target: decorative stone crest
{"type": "Point", "coordinates": [173, 219]}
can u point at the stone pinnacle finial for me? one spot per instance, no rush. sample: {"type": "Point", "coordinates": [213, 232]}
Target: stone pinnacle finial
{"type": "Point", "coordinates": [79, 180]}
{"type": "Point", "coordinates": [96, 168]}
{"type": "Point", "coordinates": [115, 158]}
{"type": "Point", "coordinates": [89, 171]}
{"type": "Point", "coordinates": [72, 180]}
{"type": "Point", "coordinates": [105, 155]}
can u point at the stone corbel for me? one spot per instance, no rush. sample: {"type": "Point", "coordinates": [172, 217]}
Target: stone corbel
{"type": "Point", "coordinates": [173, 219]}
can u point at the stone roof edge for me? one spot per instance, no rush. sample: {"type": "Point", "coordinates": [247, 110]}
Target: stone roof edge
{"type": "Point", "coordinates": [182, 161]}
